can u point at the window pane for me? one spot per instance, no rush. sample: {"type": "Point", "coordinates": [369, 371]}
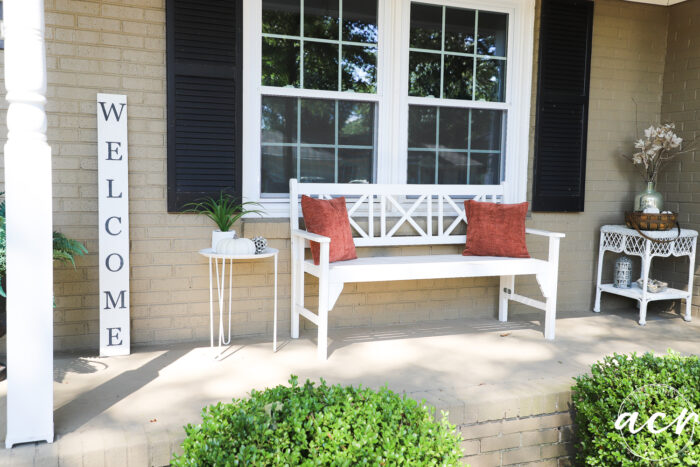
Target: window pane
{"type": "Point", "coordinates": [452, 168]}
{"type": "Point", "coordinates": [487, 129]}
{"type": "Point", "coordinates": [422, 126]}
{"type": "Point", "coordinates": [320, 66]}
{"type": "Point", "coordinates": [336, 143]}
{"type": "Point", "coordinates": [359, 69]}
{"type": "Point", "coordinates": [279, 120]}
{"type": "Point", "coordinates": [492, 34]}
{"type": "Point", "coordinates": [455, 153]}
{"type": "Point", "coordinates": [355, 123]}
{"type": "Point", "coordinates": [279, 164]}
{"type": "Point", "coordinates": [281, 17]}
{"type": "Point", "coordinates": [459, 30]}
{"type": "Point", "coordinates": [355, 166]}
{"type": "Point", "coordinates": [424, 74]}
{"type": "Point", "coordinates": [447, 144]}
{"type": "Point", "coordinates": [360, 21]}
{"type": "Point", "coordinates": [490, 80]}
{"type": "Point", "coordinates": [321, 19]}
{"type": "Point", "coordinates": [449, 72]}
{"type": "Point", "coordinates": [459, 73]}
{"type": "Point", "coordinates": [317, 121]}
{"type": "Point", "coordinates": [426, 26]}
{"type": "Point", "coordinates": [454, 129]}
{"type": "Point", "coordinates": [421, 167]}
{"type": "Point", "coordinates": [484, 169]}
{"type": "Point", "coordinates": [317, 165]}
{"type": "Point", "coordinates": [280, 62]}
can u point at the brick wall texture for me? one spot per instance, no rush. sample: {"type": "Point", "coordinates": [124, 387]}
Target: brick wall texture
{"type": "Point", "coordinates": [542, 440]}
{"type": "Point", "coordinates": [526, 425]}
{"type": "Point", "coordinates": [118, 46]}
{"type": "Point", "coordinates": [681, 104]}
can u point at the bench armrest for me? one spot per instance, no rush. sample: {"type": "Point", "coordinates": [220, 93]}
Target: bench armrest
{"type": "Point", "coordinates": [312, 237]}
{"type": "Point", "coordinates": [545, 233]}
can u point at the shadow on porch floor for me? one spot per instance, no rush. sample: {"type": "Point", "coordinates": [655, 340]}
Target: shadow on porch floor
{"type": "Point", "coordinates": [130, 410]}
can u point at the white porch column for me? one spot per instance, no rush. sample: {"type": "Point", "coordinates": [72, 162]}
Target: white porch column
{"type": "Point", "coordinates": [29, 228]}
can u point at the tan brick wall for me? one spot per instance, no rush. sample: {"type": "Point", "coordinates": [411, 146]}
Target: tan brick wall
{"type": "Point", "coordinates": [681, 104]}
{"type": "Point", "coordinates": [627, 65]}
{"type": "Point", "coordinates": [119, 46]}
{"type": "Point", "coordinates": [543, 440]}
{"type": "Point", "coordinates": [528, 425]}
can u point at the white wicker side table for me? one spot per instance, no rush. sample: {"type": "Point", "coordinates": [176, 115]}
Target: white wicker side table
{"type": "Point", "coordinates": [214, 259]}
{"type": "Point", "coordinates": [620, 239]}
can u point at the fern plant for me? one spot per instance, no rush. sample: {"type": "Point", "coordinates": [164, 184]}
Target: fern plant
{"type": "Point", "coordinates": [64, 249]}
{"type": "Point", "coordinates": [224, 210]}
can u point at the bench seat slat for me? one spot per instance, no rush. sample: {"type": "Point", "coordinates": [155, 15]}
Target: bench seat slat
{"type": "Point", "coordinates": [383, 268]}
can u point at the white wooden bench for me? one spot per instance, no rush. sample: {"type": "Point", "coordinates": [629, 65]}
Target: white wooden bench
{"type": "Point", "coordinates": [434, 214]}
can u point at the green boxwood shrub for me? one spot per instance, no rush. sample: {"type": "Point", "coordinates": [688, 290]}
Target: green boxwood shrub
{"type": "Point", "coordinates": [320, 425]}
{"type": "Point", "coordinates": [599, 396]}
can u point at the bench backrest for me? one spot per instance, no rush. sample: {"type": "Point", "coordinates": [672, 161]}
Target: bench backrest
{"type": "Point", "coordinates": [381, 214]}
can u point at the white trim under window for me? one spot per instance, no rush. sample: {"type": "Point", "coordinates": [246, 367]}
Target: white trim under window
{"type": "Point", "coordinates": [392, 94]}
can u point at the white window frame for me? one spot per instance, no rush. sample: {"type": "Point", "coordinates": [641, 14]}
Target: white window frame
{"type": "Point", "coordinates": [392, 115]}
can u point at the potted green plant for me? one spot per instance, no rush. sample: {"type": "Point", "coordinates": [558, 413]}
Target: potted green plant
{"type": "Point", "coordinates": [64, 250]}
{"type": "Point", "coordinates": [224, 210]}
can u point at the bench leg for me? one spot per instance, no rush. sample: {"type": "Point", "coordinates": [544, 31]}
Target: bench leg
{"type": "Point", "coordinates": [322, 335]}
{"type": "Point", "coordinates": [507, 282]}
{"type": "Point", "coordinates": [322, 319]}
{"type": "Point", "coordinates": [550, 312]}
{"type": "Point", "coordinates": [297, 285]}
{"type": "Point", "coordinates": [550, 316]}
{"type": "Point", "coordinates": [323, 294]}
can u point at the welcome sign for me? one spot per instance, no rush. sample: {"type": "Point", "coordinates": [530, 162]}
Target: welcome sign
{"type": "Point", "coordinates": [113, 202]}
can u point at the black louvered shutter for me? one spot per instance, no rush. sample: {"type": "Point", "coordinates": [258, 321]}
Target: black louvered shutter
{"type": "Point", "coordinates": [204, 54]}
{"type": "Point", "coordinates": [559, 181]}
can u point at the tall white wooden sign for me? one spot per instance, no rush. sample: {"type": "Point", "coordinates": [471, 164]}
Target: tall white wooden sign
{"type": "Point", "coordinates": [113, 198]}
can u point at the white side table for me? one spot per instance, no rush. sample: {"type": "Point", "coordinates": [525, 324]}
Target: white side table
{"type": "Point", "coordinates": [620, 239]}
{"type": "Point", "coordinates": [217, 262]}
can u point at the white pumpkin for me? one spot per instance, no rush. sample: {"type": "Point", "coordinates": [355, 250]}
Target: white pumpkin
{"type": "Point", "coordinates": [235, 246]}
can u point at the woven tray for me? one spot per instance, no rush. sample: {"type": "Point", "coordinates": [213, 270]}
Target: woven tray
{"type": "Point", "coordinates": [644, 221]}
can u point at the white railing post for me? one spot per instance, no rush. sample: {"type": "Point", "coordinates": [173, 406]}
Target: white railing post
{"type": "Point", "coordinates": [29, 228]}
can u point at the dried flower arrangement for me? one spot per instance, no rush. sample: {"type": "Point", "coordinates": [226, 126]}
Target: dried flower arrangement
{"type": "Point", "coordinates": [659, 146]}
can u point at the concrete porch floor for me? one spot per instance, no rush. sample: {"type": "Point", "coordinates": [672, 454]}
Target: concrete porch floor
{"type": "Point", "coordinates": [131, 410]}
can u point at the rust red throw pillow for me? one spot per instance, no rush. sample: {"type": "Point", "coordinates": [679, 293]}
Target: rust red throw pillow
{"type": "Point", "coordinates": [330, 219]}
{"type": "Point", "coordinates": [495, 229]}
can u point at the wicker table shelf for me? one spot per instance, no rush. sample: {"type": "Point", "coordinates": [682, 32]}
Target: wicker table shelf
{"type": "Point", "coordinates": [620, 239]}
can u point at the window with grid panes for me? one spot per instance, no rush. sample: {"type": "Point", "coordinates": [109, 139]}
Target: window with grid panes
{"type": "Point", "coordinates": [318, 45]}
{"type": "Point", "coordinates": [388, 91]}
{"type": "Point", "coordinates": [457, 60]}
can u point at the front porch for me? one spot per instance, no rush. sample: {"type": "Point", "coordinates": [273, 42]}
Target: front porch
{"type": "Point", "coordinates": [504, 386]}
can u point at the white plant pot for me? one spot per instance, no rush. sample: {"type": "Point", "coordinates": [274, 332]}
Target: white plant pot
{"type": "Point", "coordinates": [218, 235]}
